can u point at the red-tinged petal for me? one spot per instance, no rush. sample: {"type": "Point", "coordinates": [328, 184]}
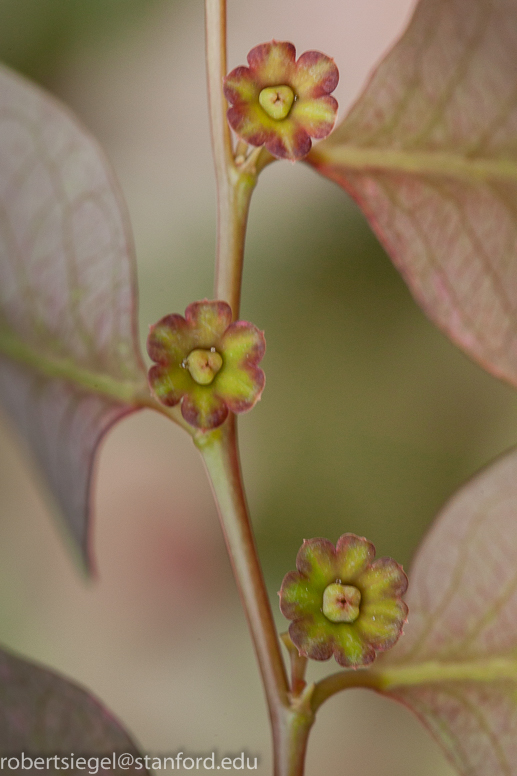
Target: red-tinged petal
{"type": "Point", "coordinates": [314, 597]}
{"type": "Point", "coordinates": [251, 123]}
{"type": "Point", "coordinates": [316, 560]}
{"type": "Point", "coordinates": [241, 86]}
{"type": "Point", "coordinates": [170, 383]}
{"type": "Point", "coordinates": [315, 75]}
{"type": "Point", "coordinates": [311, 636]}
{"type": "Point", "coordinates": [316, 116]}
{"type": "Point", "coordinates": [350, 650]}
{"type": "Point", "coordinates": [297, 597]}
{"type": "Point", "coordinates": [240, 388]}
{"type": "Point", "coordinates": [242, 343]}
{"type": "Point", "coordinates": [381, 623]}
{"type": "Point", "coordinates": [209, 320]}
{"type": "Point", "coordinates": [353, 556]}
{"type": "Point", "coordinates": [384, 579]}
{"type": "Point", "coordinates": [170, 340]}
{"type": "Point", "coordinates": [203, 408]}
{"type": "Point", "coordinates": [290, 141]}
{"type": "Point", "coordinates": [273, 64]}
{"type": "Point", "coordinates": [240, 383]}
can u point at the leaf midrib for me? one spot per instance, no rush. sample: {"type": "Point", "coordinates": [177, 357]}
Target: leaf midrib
{"type": "Point", "coordinates": [387, 678]}
{"type": "Point", "coordinates": [487, 669]}
{"type": "Point", "coordinates": [435, 163]}
{"type": "Point", "coordinates": [126, 391]}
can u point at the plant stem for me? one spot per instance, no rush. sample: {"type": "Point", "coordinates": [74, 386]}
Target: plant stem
{"type": "Point", "coordinates": [221, 457]}
{"type": "Point", "coordinates": [234, 186]}
{"type": "Point", "coordinates": [298, 666]}
{"type": "Point", "coordinates": [291, 743]}
{"type": "Point", "coordinates": [233, 205]}
{"type": "Point", "coordinates": [291, 718]}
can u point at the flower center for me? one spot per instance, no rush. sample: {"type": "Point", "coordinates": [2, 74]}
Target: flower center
{"type": "Point", "coordinates": [203, 365]}
{"type": "Point", "coordinates": [277, 101]}
{"type": "Point", "coordinates": [341, 602]}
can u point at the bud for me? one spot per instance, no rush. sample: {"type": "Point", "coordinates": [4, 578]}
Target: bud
{"type": "Point", "coordinates": [206, 363]}
{"type": "Point", "coordinates": [343, 602]}
{"type": "Point", "coordinates": [281, 103]}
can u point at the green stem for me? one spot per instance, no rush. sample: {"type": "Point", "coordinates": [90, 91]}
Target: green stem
{"type": "Point", "coordinates": [234, 185]}
{"type": "Point", "coordinates": [220, 454]}
{"type": "Point", "coordinates": [386, 679]}
{"type": "Point", "coordinates": [298, 666]}
{"type": "Point", "coordinates": [290, 719]}
{"type": "Point", "coordinates": [233, 205]}
{"type": "Point", "coordinates": [291, 743]}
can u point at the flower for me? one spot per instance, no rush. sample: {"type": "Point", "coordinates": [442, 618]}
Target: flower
{"type": "Point", "coordinates": [207, 363]}
{"type": "Point", "coordinates": [280, 102]}
{"type": "Point", "coordinates": [343, 602]}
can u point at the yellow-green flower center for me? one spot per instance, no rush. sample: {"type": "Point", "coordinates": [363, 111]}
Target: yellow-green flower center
{"type": "Point", "coordinates": [341, 602]}
{"type": "Point", "coordinates": [277, 101]}
{"type": "Point", "coordinates": [203, 365]}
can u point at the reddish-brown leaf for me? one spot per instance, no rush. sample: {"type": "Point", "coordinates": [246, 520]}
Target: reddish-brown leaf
{"type": "Point", "coordinates": [458, 655]}
{"type": "Point", "coordinates": [69, 360]}
{"type": "Point", "coordinates": [43, 714]}
{"type": "Point", "coordinates": [429, 151]}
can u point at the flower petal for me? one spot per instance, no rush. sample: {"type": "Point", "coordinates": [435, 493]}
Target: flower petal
{"type": "Point", "coordinates": [297, 597]}
{"type": "Point", "coordinates": [203, 408]}
{"type": "Point", "coordinates": [209, 320]}
{"type": "Point", "coordinates": [353, 556]}
{"type": "Point", "coordinates": [381, 623]}
{"type": "Point", "coordinates": [250, 123]}
{"type": "Point", "coordinates": [289, 140]}
{"type": "Point", "coordinates": [316, 560]}
{"type": "Point", "coordinates": [384, 579]}
{"type": "Point", "coordinates": [311, 636]}
{"type": "Point", "coordinates": [170, 340]}
{"type": "Point", "coordinates": [240, 388]}
{"type": "Point", "coordinates": [170, 383]}
{"type": "Point", "coordinates": [240, 382]}
{"type": "Point", "coordinates": [350, 650]}
{"type": "Point", "coordinates": [273, 64]}
{"type": "Point", "coordinates": [315, 75]}
{"type": "Point", "coordinates": [243, 343]}
{"type": "Point", "coordinates": [241, 86]}
{"type": "Point", "coordinates": [317, 117]}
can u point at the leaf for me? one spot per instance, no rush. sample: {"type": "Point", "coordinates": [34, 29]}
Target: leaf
{"type": "Point", "coordinates": [456, 665]}
{"type": "Point", "coordinates": [71, 365]}
{"type": "Point", "coordinates": [43, 714]}
{"type": "Point", "coordinates": [429, 152]}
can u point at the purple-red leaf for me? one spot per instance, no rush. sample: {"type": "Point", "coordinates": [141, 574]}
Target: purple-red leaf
{"type": "Point", "coordinates": [430, 153]}
{"type": "Point", "coordinates": [456, 664]}
{"type": "Point", "coordinates": [69, 360]}
{"type": "Point", "coordinates": [43, 714]}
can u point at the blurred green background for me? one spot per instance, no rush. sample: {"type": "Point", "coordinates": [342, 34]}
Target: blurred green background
{"type": "Point", "coordinates": [369, 421]}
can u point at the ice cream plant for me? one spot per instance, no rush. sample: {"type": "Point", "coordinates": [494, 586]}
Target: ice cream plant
{"type": "Point", "coordinates": [403, 158]}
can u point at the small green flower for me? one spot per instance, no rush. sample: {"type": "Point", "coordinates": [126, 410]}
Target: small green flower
{"type": "Point", "coordinates": [343, 602]}
{"type": "Point", "coordinates": [280, 102]}
{"type": "Point", "coordinates": [207, 363]}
